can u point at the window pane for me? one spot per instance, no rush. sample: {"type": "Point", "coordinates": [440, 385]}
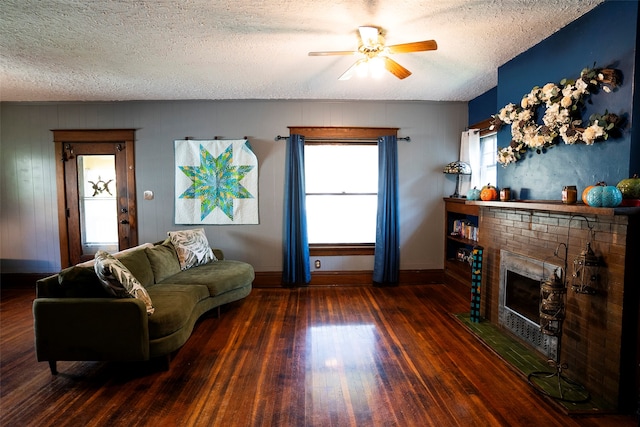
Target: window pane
{"type": "Point", "coordinates": [341, 168]}
{"type": "Point", "coordinates": [489, 151]}
{"type": "Point", "coordinates": [341, 219]}
{"type": "Point", "coordinates": [98, 204]}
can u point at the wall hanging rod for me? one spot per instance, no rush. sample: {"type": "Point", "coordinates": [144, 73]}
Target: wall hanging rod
{"type": "Point", "coordinates": [405, 138]}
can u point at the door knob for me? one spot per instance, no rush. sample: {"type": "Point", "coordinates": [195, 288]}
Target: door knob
{"type": "Point", "coordinates": [124, 221]}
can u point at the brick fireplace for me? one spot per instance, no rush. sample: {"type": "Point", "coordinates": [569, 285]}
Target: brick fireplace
{"type": "Point", "coordinates": [600, 332]}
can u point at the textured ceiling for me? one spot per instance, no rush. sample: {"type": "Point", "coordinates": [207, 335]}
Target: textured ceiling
{"type": "Point", "coordinates": [80, 50]}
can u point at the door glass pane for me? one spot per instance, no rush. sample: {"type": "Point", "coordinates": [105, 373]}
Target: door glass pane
{"type": "Point", "coordinates": [98, 204]}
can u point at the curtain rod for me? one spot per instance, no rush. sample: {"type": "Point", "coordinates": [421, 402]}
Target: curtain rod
{"type": "Point", "coordinates": [406, 138]}
{"type": "Point", "coordinates": [478, 130]}
{"type": "Point", "coordinates": [216, 138]}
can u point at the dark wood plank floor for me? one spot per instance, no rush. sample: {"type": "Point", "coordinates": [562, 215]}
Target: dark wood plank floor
{"type": "Point", "coordinates": [325, 356]}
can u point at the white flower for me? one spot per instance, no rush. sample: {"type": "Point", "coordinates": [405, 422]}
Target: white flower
{"type": "Point", "coordinates": [568, 139]}
{"type": "Point", "coordinates": [592, 133]}
{"type": "Point", "coordinates": [549, 91]}
{"type": "Point", "coordinates": [525, 115]}
{"type": "Point", "coordinates": [581, 87]}
{"type": "Point", "coordinates": [507, 155]}
{"type": "Point", "coordinates": [566, 101]}
{"type": "Point", "coordinates": [550, 115]}
{"type": "Point", "coordinates": [507, 114]}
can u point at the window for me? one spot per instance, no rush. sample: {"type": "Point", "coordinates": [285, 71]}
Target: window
{"type": "Point", "coordinates": [488, 153]}
{"type": "Point", "coordinates": [341, 188]}
{"type": "Point", "coordinates": [341, 183]}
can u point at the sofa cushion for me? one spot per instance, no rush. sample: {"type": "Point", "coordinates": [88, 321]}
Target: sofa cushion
{"type": "Point", "coordinates": [138, 264]}
{"type": "Point", "coordinates": [119, 281]}
{"type": "Point", "coordinates": [219, 277]}
{"type": "Point", "coordinates": [174, 305]}
{"type": "Point", "coordinates": [192, 247]}
{"type": "Point", "coordinates": [164, 261]}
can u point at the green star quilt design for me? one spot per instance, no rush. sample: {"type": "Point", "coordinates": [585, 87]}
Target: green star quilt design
{"type": "Point", "coordinates": [216, 182]}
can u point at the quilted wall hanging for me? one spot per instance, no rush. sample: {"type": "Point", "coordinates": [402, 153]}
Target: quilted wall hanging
{"type": "Point", "coordinates": [216, 182]}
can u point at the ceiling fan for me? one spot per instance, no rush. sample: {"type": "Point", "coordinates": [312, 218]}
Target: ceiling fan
{"type": "Point", "coordinates": [376, 55]}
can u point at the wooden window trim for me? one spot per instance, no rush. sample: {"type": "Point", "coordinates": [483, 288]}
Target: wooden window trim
{"type": "Point", "coordinates": [322, 249]}
{"type": "Point", "coordinates": [337, 132]}
{"type": "Point", "coordinates": [484, 127]}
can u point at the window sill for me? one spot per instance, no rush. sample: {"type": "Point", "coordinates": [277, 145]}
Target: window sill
{"type": "Point", "coordinates": [341, 250]}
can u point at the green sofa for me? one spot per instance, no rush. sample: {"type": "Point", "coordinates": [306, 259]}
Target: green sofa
{"type": "Point", "coordinates": [75, 319]}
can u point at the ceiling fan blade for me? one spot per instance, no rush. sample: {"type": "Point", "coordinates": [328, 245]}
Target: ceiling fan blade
{"type": "Point", "coordinates": [396, 69]}
{"type": "Point", "coordinates": [351, 71]}
{"type": "Point", "coordinates": [413, 47]}
{"type": "Point", "coordinates": [334, 52]}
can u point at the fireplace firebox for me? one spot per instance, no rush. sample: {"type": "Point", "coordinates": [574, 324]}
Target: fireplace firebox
{"type": "Point", "coordinates": [519, 300]}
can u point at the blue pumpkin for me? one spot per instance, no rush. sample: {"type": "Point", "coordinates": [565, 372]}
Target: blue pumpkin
{"type": "Point", "coordinates": [473, 194]}
{"type": "Point", "coordinates": [606, 196]}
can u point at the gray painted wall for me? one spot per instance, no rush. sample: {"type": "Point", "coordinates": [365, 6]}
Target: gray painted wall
{"type": "Point", "coordinates": [28, 204]}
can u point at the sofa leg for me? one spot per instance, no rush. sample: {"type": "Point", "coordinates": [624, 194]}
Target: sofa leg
{"type": "Point", "coordinates": [52, 366]}
{"type": "Point", "coordinates": [218, 313]}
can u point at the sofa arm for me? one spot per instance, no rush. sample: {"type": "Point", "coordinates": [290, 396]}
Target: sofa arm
{"type": "Point", "coordinates": [90, 329]}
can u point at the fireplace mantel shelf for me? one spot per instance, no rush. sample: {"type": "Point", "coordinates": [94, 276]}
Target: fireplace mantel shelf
{"type": "Point", "coordinates": [556, 206]}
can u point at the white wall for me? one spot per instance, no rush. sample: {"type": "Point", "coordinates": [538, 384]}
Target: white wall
{"type": "Point", "coordinates": [28, 204]}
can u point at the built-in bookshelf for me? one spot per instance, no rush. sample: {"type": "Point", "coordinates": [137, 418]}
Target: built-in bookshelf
{"type": "Point", "coordinates": [461, 235]}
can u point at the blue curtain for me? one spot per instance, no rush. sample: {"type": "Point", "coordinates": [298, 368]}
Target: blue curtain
{"type": "Point", "coordinates": [386, 265]}
{"type": "Point", "coordinates": [296, 269]}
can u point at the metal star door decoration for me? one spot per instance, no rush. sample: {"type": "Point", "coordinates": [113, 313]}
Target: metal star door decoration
{"type": "Point", "coordinates": [216, 182]}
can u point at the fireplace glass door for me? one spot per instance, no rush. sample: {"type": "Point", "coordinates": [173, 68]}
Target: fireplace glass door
{"type": "Point", "coordinates": [523, 296]}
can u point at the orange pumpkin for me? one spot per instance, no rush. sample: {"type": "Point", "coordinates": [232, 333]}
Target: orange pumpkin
{"type": "Point", "coordinates": [488, 193]}
{"type": "Point", "coordinates": [585, 192]}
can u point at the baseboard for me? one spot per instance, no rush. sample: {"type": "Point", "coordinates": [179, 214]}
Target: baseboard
{"type": "Point", "coordinates": [273, 279]}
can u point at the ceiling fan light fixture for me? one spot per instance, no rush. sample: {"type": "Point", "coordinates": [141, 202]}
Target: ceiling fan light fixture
{"type": "Point", "coordinates": [377, 67]}
{"type": "Point", "coordinates": [362, 69]}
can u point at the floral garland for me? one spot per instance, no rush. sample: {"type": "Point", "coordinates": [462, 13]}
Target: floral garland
{"type": "Point", "coordinates": [562, 117]}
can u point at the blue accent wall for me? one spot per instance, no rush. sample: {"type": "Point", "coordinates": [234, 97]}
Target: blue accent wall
{"type": "Point", "coordinates": [606, 36]}
{"type": "Point", "coordinates": [483, 106]}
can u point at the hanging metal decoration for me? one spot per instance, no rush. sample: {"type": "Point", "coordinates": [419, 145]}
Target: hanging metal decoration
{"type": "Point", "coordinates": [100, 187]}
{"type": "Point", "coordinates": [552, 304]}
{"type": "Point", "coordinates": [586, 271]}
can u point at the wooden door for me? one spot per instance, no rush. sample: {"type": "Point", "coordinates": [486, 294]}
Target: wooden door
{"type": "Point", "coordinates": [96, 192]}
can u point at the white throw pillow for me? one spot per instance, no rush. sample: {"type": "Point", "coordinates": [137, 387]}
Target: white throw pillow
{"type": "Point", "coordinates": [192, 247]}
{"type": "Point", "coordinates": [118, 280]}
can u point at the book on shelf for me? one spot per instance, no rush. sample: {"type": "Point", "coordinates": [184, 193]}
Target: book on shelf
{"type": "Point", "coordinates": [465, 230]}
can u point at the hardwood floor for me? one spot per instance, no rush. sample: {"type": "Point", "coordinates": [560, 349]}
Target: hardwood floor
{"type": "Point", "coordinates": [321, 356]}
